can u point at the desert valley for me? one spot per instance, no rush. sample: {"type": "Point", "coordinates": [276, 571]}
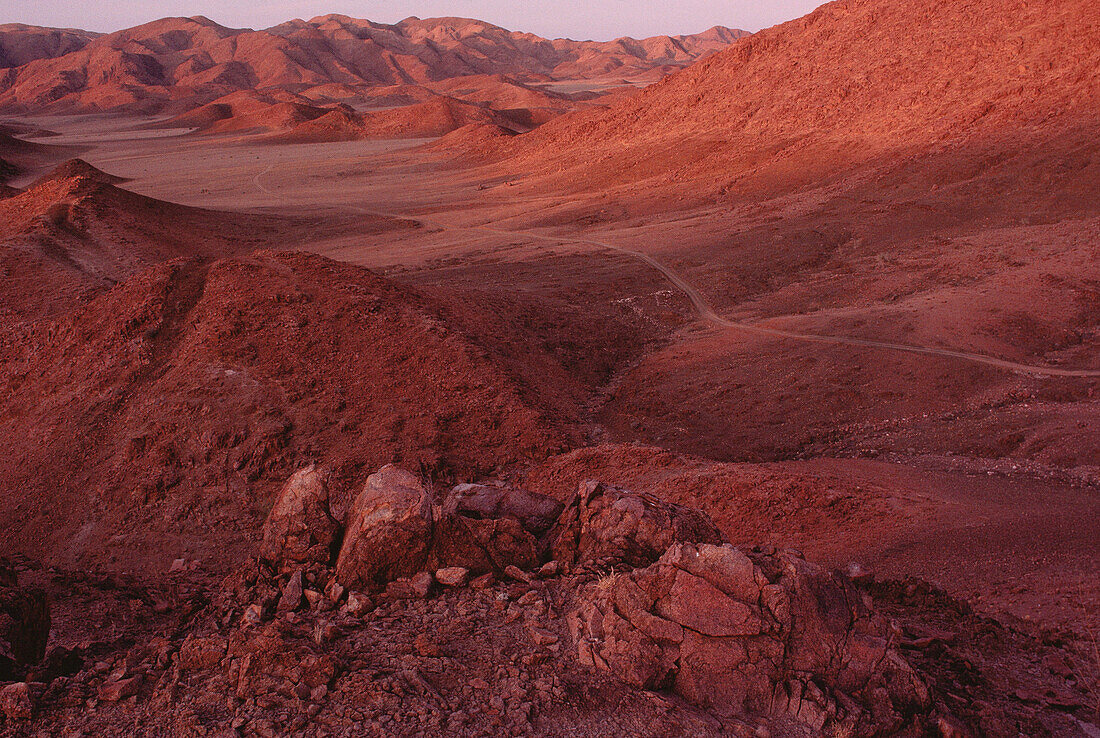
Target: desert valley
{"type": "Point", "coordinates": [433, 378]}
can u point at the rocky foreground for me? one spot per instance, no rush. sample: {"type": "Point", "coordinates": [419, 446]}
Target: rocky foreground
{"type": "Point", "coordinates": [491, 610]}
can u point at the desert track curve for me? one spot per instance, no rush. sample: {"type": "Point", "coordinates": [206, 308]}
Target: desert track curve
{"type": "Point", "coordinates": [706, 312]}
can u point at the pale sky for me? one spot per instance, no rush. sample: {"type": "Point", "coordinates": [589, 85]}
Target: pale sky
{"type": "Point", "coordinates": [578, 19]}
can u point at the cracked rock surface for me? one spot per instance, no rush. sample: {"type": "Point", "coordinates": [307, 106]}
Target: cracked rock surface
{"type": "Point", "coordinates": [300, 528]}
{"type": "Point", "coordinates": [604, 523]}
{"type": "Point", "coordinates": [759, 632]}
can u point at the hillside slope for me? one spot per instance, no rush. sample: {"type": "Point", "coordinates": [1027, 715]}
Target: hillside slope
{"type": "Point", "coordinates": [21, 44]}
{"type": "Point", "coordinates": [74, 233]}
{"type": "Point", "coordinates": [1007, 84]}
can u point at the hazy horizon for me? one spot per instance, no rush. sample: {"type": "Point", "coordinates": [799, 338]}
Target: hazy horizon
{"type": "Point", "coordinates": [595, 19]}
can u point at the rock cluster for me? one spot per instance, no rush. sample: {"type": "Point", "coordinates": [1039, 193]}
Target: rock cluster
{"type": "Point", "coordinates": [735, 632]}
{"type": "Point", "coordinates": [394, 532]}
{"type": "Point", "coordinates": [484, 528]}
{"type": "Point", "coordinates": [760, 632]}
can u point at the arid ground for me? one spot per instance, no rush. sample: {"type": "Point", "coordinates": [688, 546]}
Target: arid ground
{"type": "Point", "coordinates": [875, 342]}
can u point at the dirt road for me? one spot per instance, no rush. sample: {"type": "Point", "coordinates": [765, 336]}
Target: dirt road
{"type": "Point", "coordinates": [706, 312]}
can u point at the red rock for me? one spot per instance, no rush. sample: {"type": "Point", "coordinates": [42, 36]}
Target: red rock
{"type": "Point", "coordinates": [357, 604]}
{"type": "Point", "coordinates": [334, 591]}
{"type": "Point", "coordinates": [415, 587]}
{"type": "Point", "coordinates": [693, 619]}
{"type": "Point", "coordinates": [602, 522]}
{"type": "Point", "coordinates": [388, 533]}
{"type": "Point", "coordinates": [291, 598]}
{"type": "Point", "coordinates": [482, 546]}
{"type": "Point", "coordinates": [696, 604]}
{"type": "Point", "coordinates": [536, 513]}
{"type": "Point", "coordinates": [516, 573]}
{"type": "Point", "coordinates": [300, 528]}
{"type": "Point", "coordinates": [453, 576]}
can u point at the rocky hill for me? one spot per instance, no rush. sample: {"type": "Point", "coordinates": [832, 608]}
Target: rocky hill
{"type": "Point", "coordinates": [1005, 89]}
{"type": "Point", "coordinates": [21, 44]}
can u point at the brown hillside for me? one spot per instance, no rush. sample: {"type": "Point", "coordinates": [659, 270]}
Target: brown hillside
{"type": "Point", "coordinates": [74, 233]}
{"type": "Point", "coordinates": [172, 403]}
{"type": "Point", "coordinates": [157, 65]}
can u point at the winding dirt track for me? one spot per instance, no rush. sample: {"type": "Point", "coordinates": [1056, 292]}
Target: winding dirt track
{"type": "Point", "coordinates": [706, 312]}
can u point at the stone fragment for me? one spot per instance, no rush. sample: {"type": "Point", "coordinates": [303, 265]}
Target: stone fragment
{"type": "Point", "coordinates": [334, 591]}
{"type": "Point", "coordinates": [17, 701]}
{"type": "Point", "coordinates": [416, 587]}
{"type": "Point", "coordinates": [357, 604]}
{"type": "Point", "coordinates": [114, 690]}
{"type": "Point", "coordinates": [291, 598]}
{"type": "Point", "coordinates": [516, 573]}
{"type": "Point", "coordinates": [253, 614]}
{"type": "Point", "coordinates": [452, 576]}
{"type": "Point", "coordinates": [548, 570]}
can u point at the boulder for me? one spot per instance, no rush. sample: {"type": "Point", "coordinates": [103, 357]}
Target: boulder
{"type": "Point", "coordinates": [602, 523]}
{"type": "Point", "coordinates": [24, 627]}
{"type": "Point", "coordinates": [300, 528]}
{"type": "Point", "coordinates": [389, 531]}
{"type": "Point", "coordinates": [486, 528]}
{"type": "Point", "coordinates": [483, 545]}
{"type": "Point", "coordinates": [751, 633]}
{"type": "Point", "coordinates": [536, 513]}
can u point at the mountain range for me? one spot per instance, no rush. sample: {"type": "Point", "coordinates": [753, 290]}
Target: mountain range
{"type": "Point", "coordinates": [183, 62]}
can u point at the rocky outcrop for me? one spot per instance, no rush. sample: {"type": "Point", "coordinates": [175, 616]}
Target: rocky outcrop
{"type": "Point", "coordinates": [751, 633]}
{"type": "Point", "coordinates": [389, 531]}
{"type": "Point", "coordinates": [300, 528]}
{"type": "Point", "coordinates": [24, 624]}
{"type": "Point", "coordinates": [486, 528]}
{"type": "Point", "coordinates": [603, 523]}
